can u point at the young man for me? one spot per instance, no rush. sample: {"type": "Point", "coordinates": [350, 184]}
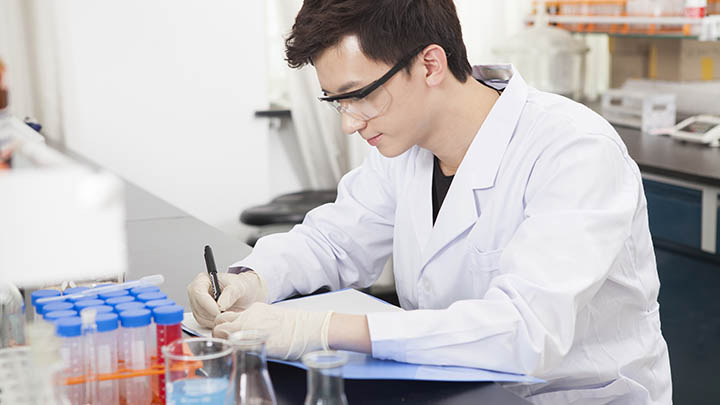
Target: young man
{"type": "Point", "coordinates": [516, 220]}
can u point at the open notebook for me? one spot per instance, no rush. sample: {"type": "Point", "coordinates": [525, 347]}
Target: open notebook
{"type": "Point", "coordinates": [363, 367]}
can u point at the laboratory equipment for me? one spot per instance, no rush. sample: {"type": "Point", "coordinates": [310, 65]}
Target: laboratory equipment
{"type": "Point", "coordinates": [89, 328]}
{"type": "Point", "coordinates": [101, 309]}
{"type": "Point", "coordinates": [55, 315]}
{"type": "Point", "coordinates": [72, 354]}
{"type": "Point", "coordinates": [155, 279]}
{"type": "Point", "coordinates": [167, 323]}
{"type": "Point", "coordinates": [199, 371]}
{"type": "Point", "coordinates": [80, 305]}
{"type": "Point", "coordinates": [134, 353]}
{"type": "Point", "coordinates": [152, 296]}
{"type": "Point", "coordinates": [119, 300]}
{"type": "Point", "coordinates": [548, 58]}
{"type": "Point", "coordinates": [74, 290]}
{"type": "Point", "coordinates": [128, 306]}
{"type": "Point", "coordinates": [140, 290]}
{"type": "Point", "coordinates": [78, 298]}
{"type": "Point", "coordinates": [700, 128]}
{"type": "Point", "coordinates": [324, 378]}
{"type": "Point", "coordinates": [106, 358]}
{"type": "Point", "coordinates": [38, 294]}
{"type": "Point", "coordinates": [112, 294]}
{"type": "Point", "coordinates": [636, 109]}
{"type": "Point", "coordinates": [252, 382]}
{"type": "Point", "coordinates": [55, 306]}
{"type": "Point", "coordinates": [151, 305]}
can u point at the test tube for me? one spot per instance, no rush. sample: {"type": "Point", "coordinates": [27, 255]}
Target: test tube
{"type": "Point", "coordinates": [141, 290]}
{"type": "Point", "coordinates": [158, 303]}
{"type": "Point", "coordinates": [41, 294]}
{"type": "Point", "coordinates": [105, 342]}
{"type": "Point", "coordinates": [119, 300]}
{"type": "Point", "coordinates": [167, 323]}
{"type": "Point", "coordinates": [55, 315]}
{"type": "Point", "coordinates": [55, 306]}
{"type": "Point", "coordinates": [80, 305]}
{"type": "Point", "coordinates": [152, 296]}
{"type": "Point", "coordinates": [113, 294]}
{"type": "Point", "coordinates": [134, 353]}
{"type": "Point", "coordinates": [128, 306]}
{"type": "Point", "coordinates": [71, 352]}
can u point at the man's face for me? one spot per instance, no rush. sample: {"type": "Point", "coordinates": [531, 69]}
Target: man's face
{"type": "Point", "coordinates": [344, 68]}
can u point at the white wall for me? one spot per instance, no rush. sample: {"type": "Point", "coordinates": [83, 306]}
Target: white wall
{"type": "Point", "coordinates": [163, 93]}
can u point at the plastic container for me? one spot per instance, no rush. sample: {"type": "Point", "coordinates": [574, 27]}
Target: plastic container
{"type": "Point", "coordinates": [141, 290]}
{"type": "Point", "coordinates": [55, 306]}
{"type": "Point", "coordinates": [72, 354]}
{"type": "Point", "coordinates": [55, 315]}
{"type": "Point", "coordinates": [145, 297]}
{"type": "Point", "coordinates": [79, 305]}
{"type": "Point", "coordinates": [74, 290]}
{"type": "Point", "coordinates": [645, 111]}
{"type": "Point", "coordinates": [134, 352]}
{"type": "Point", "coordinates": [41, 294]}
{"type": "Point", "coordinates": [101, 309]}
{"type": "Point", "coordinates": [105, 342]}
{"type": "Point", "coordinates": [129, 305]}
{"type": "Point", "coordinates": [119, 300]}
{"type": "Point", "coordinates": [548, 58]}
{"type": "Point", "coordinates": [113, 294]}
{"type": "Point", "coordinates": [167, 324]}
{"type": "Point", "coordinates": [159, 303]}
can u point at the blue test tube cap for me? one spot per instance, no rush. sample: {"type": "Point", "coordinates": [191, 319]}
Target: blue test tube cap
{"type": "Point", "coordinates": [83, 298]}
{"type": "Point", "coordinates": [69, 327]}
{"type": "Point", "coordinates": [74, 290]}
{"type": "Point", "coordinates": [151, 296]}
{"type": "Point", "coordinates": [55, 315]}
{"type": "Point", "coordinates": [126, 306]}
{"type": "Point", "coordinates": [55, 306]}
{"type": "Point", "coordinates": [113, 294]}
{"type": "Point", "coordinates": [135, 318]}
{"type": "Point", "coordinates": [42, 294]}
{"type": "Point", "coordinates": [142, 290]}
{"type": "Point", "coordinates": [88, 303]}
{"type": "Point", "coordinates": [159, 303]}
{"type": "Point", "coordinates": [119, 300]}
{"type": "Point", "coordinates": [100, 309]}
{"type": "Point", "coordinates": [168, 315]}
{"type": "Point", "coordinates": [106, 322]}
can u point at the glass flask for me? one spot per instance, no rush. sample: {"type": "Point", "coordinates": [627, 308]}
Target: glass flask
{"type": "Point", "coordinates": [252, 381]}
{"type": "Point", "coordinates": [324, 378]}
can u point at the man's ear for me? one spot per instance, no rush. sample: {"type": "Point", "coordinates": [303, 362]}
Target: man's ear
{"type": "Point", "coordinates": [434, 62]}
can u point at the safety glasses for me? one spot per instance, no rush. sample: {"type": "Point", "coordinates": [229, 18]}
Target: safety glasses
{"type": "Point", "coordinates": [372, 100]}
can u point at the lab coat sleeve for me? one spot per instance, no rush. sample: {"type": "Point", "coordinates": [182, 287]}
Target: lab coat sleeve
{"type": "Point", "coordinates": [579, 205]}
{"type": "Point", "coordinates": [338, 245]}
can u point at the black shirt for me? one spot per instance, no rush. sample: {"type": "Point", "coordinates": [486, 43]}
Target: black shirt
{"type": "Point", "coordinates": [440, 185]}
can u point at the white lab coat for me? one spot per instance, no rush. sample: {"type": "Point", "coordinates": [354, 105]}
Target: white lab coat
{"type": "Point", "coordinates": [540, 261]}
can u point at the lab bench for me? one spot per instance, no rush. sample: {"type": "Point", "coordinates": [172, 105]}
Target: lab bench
{"type": "Point", "coordinates": [682, 187]}
{"type": "Point", "coordinates": [164, 239]}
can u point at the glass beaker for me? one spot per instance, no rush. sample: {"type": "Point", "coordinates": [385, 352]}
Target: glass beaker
{"type": "Point", "coordinates": [252, 384]}
{"type": "Point", "coordinates": [324, 378]}
{"type": "Point", "coordinates": [199, 371]}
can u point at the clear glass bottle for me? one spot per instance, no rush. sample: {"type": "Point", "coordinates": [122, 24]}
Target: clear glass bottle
{"type": "Point", "coordinates": [252, 380]}
{"type": "Point", "coordinates": [324, 378]}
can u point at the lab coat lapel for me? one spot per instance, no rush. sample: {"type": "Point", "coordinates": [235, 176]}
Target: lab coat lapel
{"type": "Point", "coordinates": [478, 170]}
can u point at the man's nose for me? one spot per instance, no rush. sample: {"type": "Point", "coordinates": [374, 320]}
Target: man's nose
{"type": "Point", "coordinates": [351, 124]}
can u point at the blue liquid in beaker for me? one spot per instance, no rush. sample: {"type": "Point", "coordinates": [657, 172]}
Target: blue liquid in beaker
{"type": "Point", "coordinates": [205, 391]}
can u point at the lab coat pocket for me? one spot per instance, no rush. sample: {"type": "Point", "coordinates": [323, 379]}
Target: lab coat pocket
{"type": "Point", "coordinates": [484, 266]}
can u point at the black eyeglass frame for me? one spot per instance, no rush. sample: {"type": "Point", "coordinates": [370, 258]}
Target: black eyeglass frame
{"type": "Point", "coordinates": [365, 91]}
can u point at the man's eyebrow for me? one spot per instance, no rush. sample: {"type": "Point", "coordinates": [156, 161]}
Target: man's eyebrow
{"type": "Point", "coordinates": [344, 88]}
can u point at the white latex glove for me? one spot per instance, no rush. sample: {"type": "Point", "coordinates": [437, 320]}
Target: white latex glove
{"type": "Point", "coordinates": [239, 291]}
{"type": "Point", "coordinates": [291, 333]}
{"type": "Point", "coordinates": [10, 298]}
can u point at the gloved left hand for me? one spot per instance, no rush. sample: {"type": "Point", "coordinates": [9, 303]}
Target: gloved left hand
{"type": "Point", "coordinates": [291, 333]}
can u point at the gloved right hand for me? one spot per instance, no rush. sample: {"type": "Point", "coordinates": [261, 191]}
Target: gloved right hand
{"type": "Point", "coordinates": [239, 291]}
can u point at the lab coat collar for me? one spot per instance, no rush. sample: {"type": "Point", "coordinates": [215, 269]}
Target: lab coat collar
{"type": "Point", "coordinates": [480, 165]}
